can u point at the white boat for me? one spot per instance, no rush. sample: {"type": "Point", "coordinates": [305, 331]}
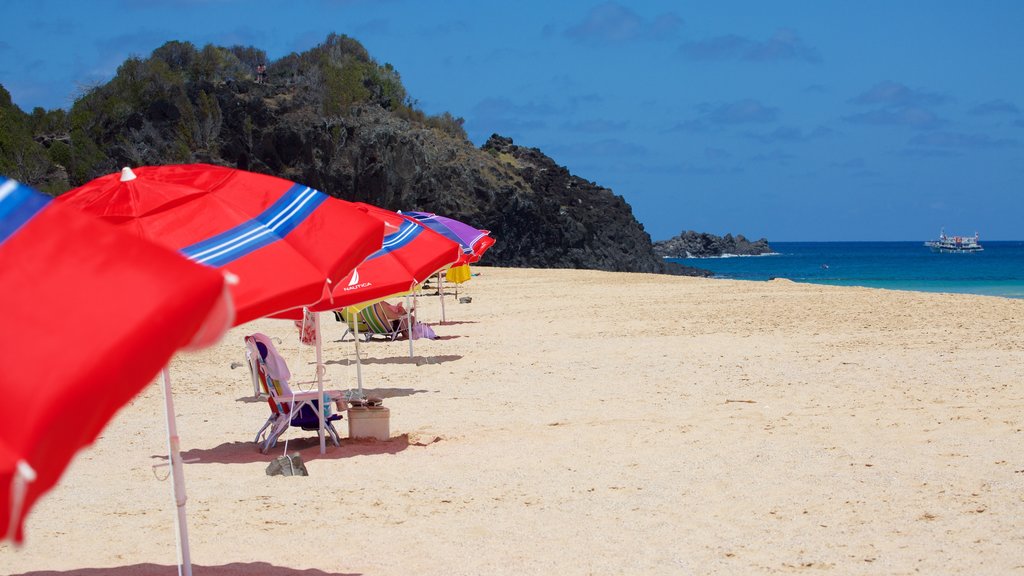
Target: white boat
{"type": "Point", "coordinates": [954, 243]}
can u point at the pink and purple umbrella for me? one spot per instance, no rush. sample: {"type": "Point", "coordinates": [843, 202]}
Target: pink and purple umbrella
{"type": "Point", "coordinates": [474, 241]}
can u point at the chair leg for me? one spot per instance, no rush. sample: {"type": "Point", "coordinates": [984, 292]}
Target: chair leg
{"type": "Point", "coordinates": [265, 425]}
{"type": "Point", "coordinates": [280, 425]}
{"type": "Point", "coordinates": [329, 426]}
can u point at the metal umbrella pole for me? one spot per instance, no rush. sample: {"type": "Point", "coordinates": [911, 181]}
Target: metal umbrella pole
{"type": "Point", "coordinates": [440, 293]}
{"type": "Point", "coordinates": [408, 323]}
{"type": "Point", "coordinates": [177, 477]}
{"type": "Point", "coordinates": [320, 380]}
{"type": "Point", "coordinates": [359, 362]}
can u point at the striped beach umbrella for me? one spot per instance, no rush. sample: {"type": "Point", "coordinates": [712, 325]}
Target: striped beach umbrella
{"type": "Point", "coordinates": [285, 242]}
{"type": "Point", "coordinates": [474, 241]}
{"type": "Point", "coordinates": [410, 254]}
{"type": "Point", "coordinates": [90, 315]}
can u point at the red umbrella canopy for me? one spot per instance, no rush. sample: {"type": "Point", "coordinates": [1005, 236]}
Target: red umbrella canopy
{"type": "Point", "coordinates": [410, 254]}
{"type": "Point", "coordinates": [90, 315]}
{"type": "Point", "coordinates": [284, 241]}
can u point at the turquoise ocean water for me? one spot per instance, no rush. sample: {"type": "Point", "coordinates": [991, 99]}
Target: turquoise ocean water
{"type": "Point", "coordinates": [996, 271]}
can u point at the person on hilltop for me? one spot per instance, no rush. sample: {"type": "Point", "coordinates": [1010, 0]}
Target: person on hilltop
{"type": "Point", "coordinates": [261, 73]}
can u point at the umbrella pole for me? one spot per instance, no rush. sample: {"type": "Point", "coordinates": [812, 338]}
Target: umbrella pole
{"type": "Point", "coordinates": [440, 294]}
{"type": "Point", "coordinates": [408, 323]}
{"type": "Point", "coordinates": [359, 363]}
{"type": "Point", "coordinates": [320, 380]}
{"type": "Point", "coordinates": [178, 477]}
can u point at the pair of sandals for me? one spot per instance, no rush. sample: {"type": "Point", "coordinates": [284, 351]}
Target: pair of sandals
{"type": "Point", "coordinates": [366, 402]}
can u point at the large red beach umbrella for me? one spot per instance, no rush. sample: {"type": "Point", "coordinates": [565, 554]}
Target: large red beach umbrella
{"type": "Point", "coordinates": [90, 315]}
{"type": "Point", "coordinates": [285, 242]}
{"type": "Point", "coordinates": [408, 256]}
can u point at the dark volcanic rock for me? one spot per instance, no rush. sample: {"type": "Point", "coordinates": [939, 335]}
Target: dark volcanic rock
{"type": "Point", "coordinates": [333, 119]}
{"type": "Point", "coordinates": [692, 244]}
{"type": "Point", "coordinates": [541, 215]}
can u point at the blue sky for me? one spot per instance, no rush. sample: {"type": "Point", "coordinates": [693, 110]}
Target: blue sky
{"type": "Point", "coordinates": [794, 120]}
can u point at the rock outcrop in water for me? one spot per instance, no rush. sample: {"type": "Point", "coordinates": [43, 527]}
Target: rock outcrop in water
{"type": "Point", "coordinates": [692, 244]}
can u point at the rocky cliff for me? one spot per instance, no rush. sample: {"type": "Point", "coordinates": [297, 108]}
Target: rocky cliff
{"type": "Point", "coordinates": [334, 119]}
{"type": "Point", "coordinates": [690, 244]}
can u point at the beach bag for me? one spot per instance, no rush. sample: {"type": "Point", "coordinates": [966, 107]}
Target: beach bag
{"type": "Point", "coordinates": [307, 330]}
{"type": "Point", "coordinates": [421, 330]}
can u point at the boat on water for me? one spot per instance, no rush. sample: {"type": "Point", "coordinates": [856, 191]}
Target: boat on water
{"type": "Point", "coordinates": [954, 243]}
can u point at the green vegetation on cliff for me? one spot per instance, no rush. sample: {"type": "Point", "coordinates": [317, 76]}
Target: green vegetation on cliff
{"type": "Point", "coordinates": [165, 108]}
{"type": "Point", "coordinates": [334, 119]}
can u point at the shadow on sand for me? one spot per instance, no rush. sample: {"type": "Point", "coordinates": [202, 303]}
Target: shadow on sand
{"type": "Point", "coordinates": [416, 360]}
{"type": "Point", "coordinates": [246, 452]}
{"type": "Point", "coordinates": [371, 392]}
{"type": "Point", "coordinates": [251, 399]}
{"type": "Point", "coordinates": [234, 569]}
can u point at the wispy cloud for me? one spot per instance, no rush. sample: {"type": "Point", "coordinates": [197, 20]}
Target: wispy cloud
{"type": "Point", "coordinates": [446, 29]}
{"type": "Point", "coordinates": [608, 148]}
{"type": "Point", "coordinates": [747, 111]}
{"type": "Point", "coordinates": [931, 153]}
{"type": "Point", "coordinates": [720, 115]}
{"type": "Point", "coordinates": [375, 26]}
{"type": "Point", "coordinates": [500, 107]}
{"type": "Point", "coordinates": [139, 43]}
{"type": "Point", "coordinates": [993, 108]}
{"type": "Point", "coordinates": [613, 23]}
{"type": "Point", "coordinates": [959, 140]}
{"type": "Point", "coordinates": [888, 93]}
{"type": "Point", "coordinates": [504, 116]}
{"type": "Point", "coordinates": [785, 44]}
{"type": "Point", "coordinates": [855, 168]}
{"type": "Point", "coordinates": [709, 170]}
{"type": "Point", "coordinates": [851, 164]}
{"type": "Point", "coordinates": [789, 134]}
{"type": "Point", "coordinates": [716, 154]}
{"type": "Point", "coordinates": [776, 157]}
{"type": "Point", "coordinates": [911, 117]}
{"type": "Point", "coordinates": [594, 126]}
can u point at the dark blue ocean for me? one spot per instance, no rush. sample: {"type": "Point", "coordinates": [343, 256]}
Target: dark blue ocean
{"type": "Point", "coordinates": [996, 271]}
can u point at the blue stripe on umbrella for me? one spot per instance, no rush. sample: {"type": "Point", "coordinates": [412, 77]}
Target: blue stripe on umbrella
{"type": "Point", "coordinates": [274, 223]}
{"type": "Point", "coordinates": [18, 204]}
{"type": "Point", "coordinates": [407, 232]}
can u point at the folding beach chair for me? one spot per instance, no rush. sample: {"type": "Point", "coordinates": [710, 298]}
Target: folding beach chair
{"type": "Point", "coordinates": [287, 408]}
{"type": "Point", "coordinates": [372, 322]}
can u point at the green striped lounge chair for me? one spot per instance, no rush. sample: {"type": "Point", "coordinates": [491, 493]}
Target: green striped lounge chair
{"type": "Point", "coordinates": [372, 322]}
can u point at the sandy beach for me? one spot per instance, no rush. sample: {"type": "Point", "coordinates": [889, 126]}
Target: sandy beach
{"type": "Point", "coordinates": [581, 422]}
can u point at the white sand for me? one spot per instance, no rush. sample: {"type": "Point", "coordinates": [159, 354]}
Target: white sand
{"type": "Point", "coordinates": [578, 422]}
